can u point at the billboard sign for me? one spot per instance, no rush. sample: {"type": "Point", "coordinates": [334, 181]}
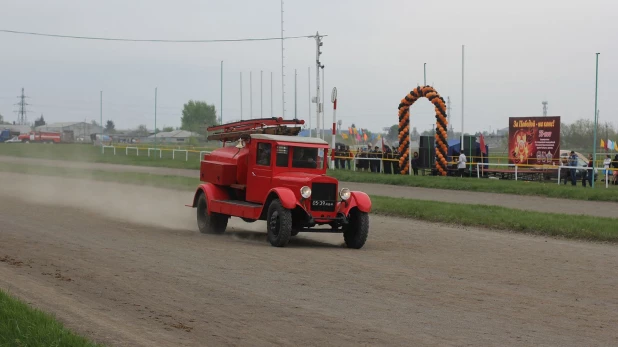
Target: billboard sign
{"type": "Point", "coordinates": [534, 140]}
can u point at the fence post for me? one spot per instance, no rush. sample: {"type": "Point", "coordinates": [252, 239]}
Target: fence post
{"type": "Point", "coordinates": [478, 171]}
{"type": "Point", "coordinates": [559, 175]}
{"type": "Point", "coordinates": [515, 172]}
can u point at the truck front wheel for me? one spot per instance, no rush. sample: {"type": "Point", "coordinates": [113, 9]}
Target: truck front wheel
{"type": "Point", "coordinates": [355, 233]}
{"type": "Point", "coordinates": [279, 224]}
{"type": "Point", "coordinates": [214, 223]}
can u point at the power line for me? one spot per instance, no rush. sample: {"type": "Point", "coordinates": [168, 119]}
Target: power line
{"type": "Point", "coordinates": [155, 40]}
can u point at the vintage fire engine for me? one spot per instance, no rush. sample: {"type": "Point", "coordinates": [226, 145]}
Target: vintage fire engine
{"type": "Point", "coordinates": [272, 174]}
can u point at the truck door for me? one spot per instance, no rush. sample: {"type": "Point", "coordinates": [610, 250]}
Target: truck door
{"type": "Point", "coordinates": [259, 172]}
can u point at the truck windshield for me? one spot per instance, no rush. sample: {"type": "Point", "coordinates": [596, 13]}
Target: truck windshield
{"type": "Point", "coordinates": [307, 158]}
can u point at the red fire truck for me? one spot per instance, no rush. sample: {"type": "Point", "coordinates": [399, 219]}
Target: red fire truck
{"type": "Point", "coordinates": [47, 137]}
{"type": "Point", "coordinates": [278, 177]}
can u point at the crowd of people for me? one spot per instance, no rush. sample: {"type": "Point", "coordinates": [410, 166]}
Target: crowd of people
{"type": "Point", "coordinates": [572, 175]}
{"type": "Point", "coordinates": [372, 160]}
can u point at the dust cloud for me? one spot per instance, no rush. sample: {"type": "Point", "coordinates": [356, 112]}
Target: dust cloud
{"type": "Point", "coordinates": [136, 204]}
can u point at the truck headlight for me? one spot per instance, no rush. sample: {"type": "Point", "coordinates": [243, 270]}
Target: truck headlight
{"type": "Point", "coordinates": [305, 192]}
{"type": "Point", "coordinates": [345, 194]}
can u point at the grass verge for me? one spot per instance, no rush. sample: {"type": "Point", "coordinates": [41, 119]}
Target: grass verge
{"type": "Point", "coordinates": [550, 190]}
{"type": "Point", "coordinates": [89, 153]}
{"type": "Point", "coordinates": [551, 224]}
{"type": "Point", "coordinates": [92, 154]}
{"type": "Point", "coordinates": [21, 325]}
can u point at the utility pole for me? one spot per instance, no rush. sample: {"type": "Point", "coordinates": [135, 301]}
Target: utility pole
{"type": "Point", "coordinates": [251, 94]}
{"type": "Point", "coordinates": [295, 96]}
{"type": "Point", "coordinates": [241, 95]}
{"type": "Point", "coordinates": [102, 129]}
{"type": "Point", "coordinates": [271, 94]}
{"type": "Point", "coordinates": [221, 104]}
{"type": "Point", "coordinates": [282, 68]}
{"type": "Point", "coordinates": [596, 118]}
{"type": "Point", "coordinates": [462, 98]}
{"type": "Point", "coordinates": [544, 103]}
{"type": "Point", "coordinates": [424, 74]}
{"type": "Point", "coordinates": [323, 98]}
{"type": "Point", "coordinates": [309, 90]}
{"type": "Point", "coordinates": [261, 99]}
{"type": "Point", "coordinates": [155, 129]}
{"type": "Point", "coordinates": [318, 52]}
{"type": "Point", "coordinates": [22, 118]}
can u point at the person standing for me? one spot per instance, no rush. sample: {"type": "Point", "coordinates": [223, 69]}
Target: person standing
{"type": "Point", "coordinates": [615, 174]}
{"type": "Point", "coordinates": [573, 170]}
{"type": "Point", "coordinates": [607, 163]}
{"type": "Point", "coordinates": [587, 174]}
{"type": "Point", "coordinates": [461, 165]}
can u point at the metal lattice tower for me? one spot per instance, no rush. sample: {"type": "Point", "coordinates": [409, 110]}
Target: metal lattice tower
{"type": "Point", "coordinates": [544, 108]}
{"type": "Point", "coordinates": [22, 118]}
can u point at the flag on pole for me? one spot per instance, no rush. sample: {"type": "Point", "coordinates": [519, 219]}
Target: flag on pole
{"type": "Point", "coordinates": [603, 144]}
{"type": "Point", "coordinates": [615, 146]}
{"type": "Point", "coordinates": [610, 144]}
{"type": "Point", "coordinates": [482, 143]}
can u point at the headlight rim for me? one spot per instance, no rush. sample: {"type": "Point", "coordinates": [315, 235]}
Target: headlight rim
{"type": "Point", "coordinates": [303, 195]}
{"type": "Point", "coordinates": [345, 194]}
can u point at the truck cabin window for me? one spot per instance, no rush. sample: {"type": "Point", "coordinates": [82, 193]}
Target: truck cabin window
{"type": "Point", "coordinates": [307, 158]}
{"type": "Point", "coordinates": [282, 156]}
{"type": "Point", "coordinates": [263, 154]}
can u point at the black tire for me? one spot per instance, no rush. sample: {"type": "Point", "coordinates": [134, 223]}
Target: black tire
{"type": "Point", "coordinates": [356, 232]}
{"type": "Point", "coordinates": [279, 224]}
{"type": "Point", "coordinates": [214, 223]}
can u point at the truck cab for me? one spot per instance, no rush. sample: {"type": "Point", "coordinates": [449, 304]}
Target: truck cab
{"type": "Point", "coordinates": [280, 179]}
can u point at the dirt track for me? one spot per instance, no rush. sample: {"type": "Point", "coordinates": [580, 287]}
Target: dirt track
{"type": "Point", "coordinates": [126, 266]}
{"type": "Point", "coordinates": [526, 203]}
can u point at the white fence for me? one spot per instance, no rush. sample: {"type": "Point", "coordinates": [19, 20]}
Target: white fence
{"type": "Point", "coordinates": [180, 150]}
{"type": "Point", "coordinates": [546, 167]}
{"type": "Point", "coordinates": [126, 150]}
{"type": "Point", "coordinates": [156, 149]}
{"type": "Point", "coordinates": [112, 147]}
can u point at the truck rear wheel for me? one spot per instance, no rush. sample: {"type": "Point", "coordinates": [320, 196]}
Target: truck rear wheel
{"type": "Point", "coordinates": [279, 224]}
{"type": "Point", "coordinates": [214, 223]}
{"type": "Point", "coordinates": [356, 232]}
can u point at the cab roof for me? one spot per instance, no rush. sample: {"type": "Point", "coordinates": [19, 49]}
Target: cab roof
{"type": "Point", "coordinates": [294, 139]}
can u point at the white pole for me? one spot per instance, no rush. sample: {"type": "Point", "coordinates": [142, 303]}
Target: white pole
{"type": "Point", "coordinates": [462, 98]}
{"type": "Point", "coordinates": [261, 99]}
{"type": "Point", "coordinates": [251, 94]}
{"type": "Point", "coordinates": [323, 110]}
{"type": "Point", "coordinates": [333, 98]}
{"type": "Point", "coordinates": [317, 84]}
{"type": "Point", "coordinates": [271, 94]}
{"type": "Point", "coordinates": [309, 90]}
{"type": "Point", "coordinates": [241, 95]}
{"type": "Point", "coordinates": [295, 97]}
{"type": "Point", "coordinates": [282, 68]}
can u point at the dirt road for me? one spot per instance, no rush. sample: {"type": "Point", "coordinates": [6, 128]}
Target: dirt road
{"type": "Point", "coordinates": [526, 203]}
{"type": "Point", "coordinates": [126, 266]}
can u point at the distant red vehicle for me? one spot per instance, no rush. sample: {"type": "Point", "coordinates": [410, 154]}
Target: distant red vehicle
{"type": "Point", "coordinates": [47, 137]}
{"type": "Point", "coordinates": [276, 176]}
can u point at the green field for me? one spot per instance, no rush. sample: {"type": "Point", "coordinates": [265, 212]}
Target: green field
{"type": "Point", "coordinates": [582, 227]}
{"type": "Point", "coordinates": [89, 153]}
{"type": "Point", "coordinates": [21, 325]}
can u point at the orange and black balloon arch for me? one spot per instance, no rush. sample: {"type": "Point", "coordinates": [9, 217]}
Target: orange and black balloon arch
{"type": "Point", "coordinates": [441, 126]}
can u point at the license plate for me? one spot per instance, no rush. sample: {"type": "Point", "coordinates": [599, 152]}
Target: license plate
{"type": "Point", "coordinates": [322, 203]}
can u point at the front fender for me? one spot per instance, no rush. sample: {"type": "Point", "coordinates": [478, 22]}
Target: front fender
{"type": "Point", "coordinates": [359, 200]}
{"type": "Point", "coordinates": [212, 192]}
{"type": "Point", "coordinates": [286, 195]}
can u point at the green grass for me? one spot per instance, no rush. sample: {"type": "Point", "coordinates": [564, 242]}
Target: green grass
{"type": "Point", "coordinates": [551, 224]}
{"type": "Point", "coordinates": [21, 325]}
{"type": "Point", "coordinates": [89, 153]}
{"type": "Point", "coordinates": [92, 154]}
{"type": "Point", "coordinates": [551, 190]}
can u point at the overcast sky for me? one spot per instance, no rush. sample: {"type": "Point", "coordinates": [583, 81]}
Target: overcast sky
{"type": "Point", "coordinates": [517, 54]}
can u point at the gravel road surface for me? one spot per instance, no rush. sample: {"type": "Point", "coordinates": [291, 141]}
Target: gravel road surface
{"type": "Point", "coordinates": [520, 202]}
{"type": "Point", "coordinates": [125, 266]}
